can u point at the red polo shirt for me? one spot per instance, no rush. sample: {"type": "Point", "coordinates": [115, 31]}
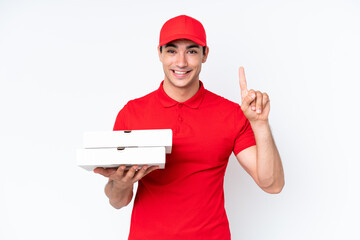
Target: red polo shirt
{"type": "Point", "coordinates": [186, 199]}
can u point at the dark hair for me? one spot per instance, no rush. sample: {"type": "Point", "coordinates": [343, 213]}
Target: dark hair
{"type": "Point", "coordinates": [204, 49]}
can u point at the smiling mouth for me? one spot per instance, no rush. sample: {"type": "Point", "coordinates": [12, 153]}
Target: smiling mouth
{"type": "Point", "coordinates": [180, 72]}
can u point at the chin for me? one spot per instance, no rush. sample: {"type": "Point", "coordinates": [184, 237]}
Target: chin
{"type": "Point", "coordinates": [185, 82]}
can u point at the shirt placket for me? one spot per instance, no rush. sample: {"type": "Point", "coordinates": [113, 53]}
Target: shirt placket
{"type": "Point", "coordinates": [179, 117]}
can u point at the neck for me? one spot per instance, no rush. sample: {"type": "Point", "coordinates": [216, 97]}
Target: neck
{"type": "Point", "coordinates": [181, 94]}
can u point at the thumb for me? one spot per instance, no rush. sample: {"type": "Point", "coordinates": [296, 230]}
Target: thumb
{"type": "Point", "coordinates": [248, 99]}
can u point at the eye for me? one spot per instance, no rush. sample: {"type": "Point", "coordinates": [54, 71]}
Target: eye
{"type": "Point", "coordinates": [193, 52]}
{"type": "Point", "coordinates": [170, 51]}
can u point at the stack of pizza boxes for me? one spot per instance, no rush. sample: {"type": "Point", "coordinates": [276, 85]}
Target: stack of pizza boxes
{"type": "Point", "coordinates": [114, 148]}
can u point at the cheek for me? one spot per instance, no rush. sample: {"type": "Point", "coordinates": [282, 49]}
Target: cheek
{"type": "Point", "coordinates": [195, 61]}
{"type": "Point", "coordinates": [166, 61]}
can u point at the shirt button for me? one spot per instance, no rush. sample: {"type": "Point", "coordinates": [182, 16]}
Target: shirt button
{"type": "Point", "coordinates": [180, 119]}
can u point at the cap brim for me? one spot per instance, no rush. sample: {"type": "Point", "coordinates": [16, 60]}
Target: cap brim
{"type": "Point", "coordinates": [182, 36]}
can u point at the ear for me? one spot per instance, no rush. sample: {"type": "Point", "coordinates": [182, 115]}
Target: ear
{"type": "Point", "coordinates": [206, 54]}
{"type": "Point", "coordinates": [160, 55]}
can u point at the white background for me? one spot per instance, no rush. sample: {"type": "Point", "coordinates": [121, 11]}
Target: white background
{"type": "Point", "coordinates": [69, 66]}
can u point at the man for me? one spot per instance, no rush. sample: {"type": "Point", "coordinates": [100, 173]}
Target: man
{"type": "Point", "coordinates": [186, 199]}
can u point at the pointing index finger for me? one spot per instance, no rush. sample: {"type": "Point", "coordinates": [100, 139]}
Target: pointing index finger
{"type": "Point", "coordinates": [242, 82]}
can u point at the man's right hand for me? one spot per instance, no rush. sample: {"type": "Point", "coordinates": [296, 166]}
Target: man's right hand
{"type": "Point", "coordinates": [125, 177]}
{"type": "Point", "coordinates": [119, 189]}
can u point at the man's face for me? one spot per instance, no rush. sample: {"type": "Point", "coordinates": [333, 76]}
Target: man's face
{"type": "Point", "coordinates": [182, 61]}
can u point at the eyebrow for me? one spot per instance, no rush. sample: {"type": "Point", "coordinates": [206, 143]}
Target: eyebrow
{"type": "Point", "coordinates": [193, 46]}
{"type": "Point", "coordinates": [188, 47]}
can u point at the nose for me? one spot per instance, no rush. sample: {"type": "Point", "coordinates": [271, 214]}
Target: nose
{"type": "Point", "coordinates": [181, 60]}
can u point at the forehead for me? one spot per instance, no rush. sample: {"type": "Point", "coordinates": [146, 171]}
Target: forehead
{"type": "Point", "coordinates": [182, 42]}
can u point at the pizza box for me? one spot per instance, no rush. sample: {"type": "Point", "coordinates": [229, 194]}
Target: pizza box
{"type": "Point", "coordinates": [90, 159]}
{"type": "Point", "coordinates": [131, 147]}
{"type": "Point", "coordinates": [130, 138]}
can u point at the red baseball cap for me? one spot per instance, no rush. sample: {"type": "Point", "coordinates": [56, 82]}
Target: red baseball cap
{"type": "Point", "coordinates": [182, 27]}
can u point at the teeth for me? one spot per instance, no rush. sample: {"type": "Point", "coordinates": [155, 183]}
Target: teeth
{"type": "Point", "coordinates": [177, 72]}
